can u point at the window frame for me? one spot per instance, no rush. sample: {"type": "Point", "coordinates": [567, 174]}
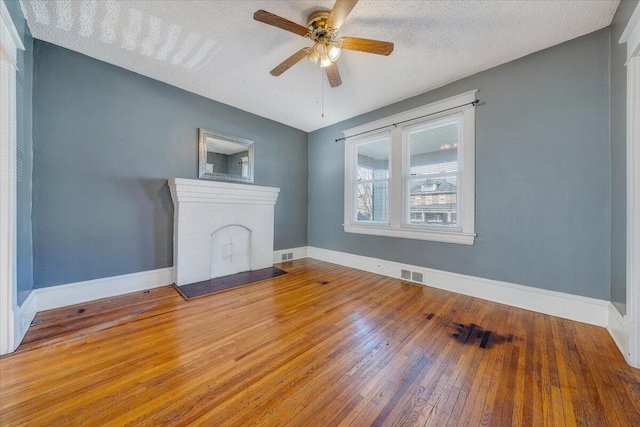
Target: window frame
{"type": "Point", "coordinates": [398, 193]}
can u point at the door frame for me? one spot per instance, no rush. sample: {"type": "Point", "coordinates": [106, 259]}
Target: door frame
{"type": "Point", "coordinates": [631, 36]}
{"type": "Point", "coordinates": [10, 42]}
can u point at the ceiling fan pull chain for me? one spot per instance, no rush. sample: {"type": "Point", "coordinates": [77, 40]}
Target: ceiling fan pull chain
{"type": "Point", "coordinates": [322, 92]}
{"type": "Point", "coordinates": [319, 89]}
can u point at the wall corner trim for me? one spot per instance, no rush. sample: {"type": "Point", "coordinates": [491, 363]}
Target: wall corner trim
{"type": "Point", "coordinates": [26, 313]}
{"type": "Point", "coordinates": [618, 327]}
{"type": "Point", "coordinates": [631, 25]}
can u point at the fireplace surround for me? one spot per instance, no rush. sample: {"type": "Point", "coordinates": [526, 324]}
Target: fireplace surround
{"type": "Point", "coordinates": [220, 227]}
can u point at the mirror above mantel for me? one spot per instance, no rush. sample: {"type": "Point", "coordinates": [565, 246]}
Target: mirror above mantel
{"type": "Point", "coordinates": [224, 157]}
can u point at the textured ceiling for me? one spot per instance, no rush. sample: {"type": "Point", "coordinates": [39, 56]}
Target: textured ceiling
{"type": "Point", "coordinates": [217, 50]}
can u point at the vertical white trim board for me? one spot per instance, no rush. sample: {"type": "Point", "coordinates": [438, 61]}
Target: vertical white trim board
{"type": "Point", "coordinates": [574, 307]}
{"type": "Point", "coordinates": [25, 314]}
{"type": "Point", "coordinates": [631, 36]}
{"type": "Point", "coordinates": [618, 327]}
{"type": "Point", "coordinates": [633, 205]}
{"type": "Point", "coordinates": [10, 43]}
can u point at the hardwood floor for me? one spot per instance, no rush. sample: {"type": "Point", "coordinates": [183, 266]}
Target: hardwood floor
{"type": "Point", "coordinates": [322, 346]}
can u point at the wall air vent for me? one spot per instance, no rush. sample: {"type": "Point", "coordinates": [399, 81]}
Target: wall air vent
{"type": "Point", "coordinates": [413, 276]}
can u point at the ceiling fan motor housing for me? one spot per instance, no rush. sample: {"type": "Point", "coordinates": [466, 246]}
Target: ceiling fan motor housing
{"type": "Point", "coordinates": [318, 29]}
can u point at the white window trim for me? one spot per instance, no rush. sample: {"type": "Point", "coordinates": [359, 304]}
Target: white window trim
{"type": "Point", "coordinates": [465, 233]}
{"type": "Point", "coordinates": [9, 44]}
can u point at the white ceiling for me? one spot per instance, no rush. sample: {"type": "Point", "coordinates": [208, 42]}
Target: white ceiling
{"type": "Point", "coordinates": [217, 50]}
{"type": "Point", "coordinates": [224, 147]}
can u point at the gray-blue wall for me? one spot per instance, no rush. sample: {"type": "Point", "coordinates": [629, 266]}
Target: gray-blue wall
{"type": "Point", "coordinates": [542, 175]}
{"type": "Point", "coordinates": [618, 155]}
{"type": "Point", "coordinates": [24, 154]}
{"type": "Point", "coordinates": [105, 142]}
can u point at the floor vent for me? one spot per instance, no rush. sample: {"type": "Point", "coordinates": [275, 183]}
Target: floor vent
{"type": "Point", "coordinates": [413, 276]}
{"type": "Point", "coordinates": [287, 256]}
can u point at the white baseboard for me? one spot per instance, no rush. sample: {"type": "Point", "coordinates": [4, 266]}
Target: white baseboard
{"type": "Point", "coordinates": [618, 327]}
{"type": "Point", "coordinates": [76, 293]}
{"type": "Point", "coordinates": [582, 309]}
{"type": "Point", "coordinates": [26, 312]}
{"type": "Point", "coordinates": [79, 292]}
{"type": "Point", "coordinates": [296, 253]}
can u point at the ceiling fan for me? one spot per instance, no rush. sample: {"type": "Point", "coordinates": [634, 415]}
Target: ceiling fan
{"type": "Point", "coordinates": [322, 27]}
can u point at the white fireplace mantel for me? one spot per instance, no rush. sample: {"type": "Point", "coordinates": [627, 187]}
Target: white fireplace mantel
{"type": "Point", "coordinates": [200, 191]}
{"type": "Point", "coordinates": [204, 207]}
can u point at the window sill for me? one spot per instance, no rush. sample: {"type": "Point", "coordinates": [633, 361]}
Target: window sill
{"type": "Point", "coordinates": [457, 237]}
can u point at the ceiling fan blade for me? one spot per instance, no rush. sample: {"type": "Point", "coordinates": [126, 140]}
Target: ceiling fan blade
{"type": "Point", "coordinates": [339, 13]}
{"type": "Point", "coordinates": [366, 45]}
{"type": "Point", "coordinates": [280, 22]}
{"type": "Point", "coordinates": [290, 61]}
{"type": "Point", "coordinates": [333, 75]}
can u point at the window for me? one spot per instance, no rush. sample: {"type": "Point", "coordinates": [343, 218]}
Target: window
{"type": "Point", "coordinates": [412, 176]}
{"type": "Point", "coordinates": [431, 148]}
{"type": "Point", "coordinates": [371, 180]}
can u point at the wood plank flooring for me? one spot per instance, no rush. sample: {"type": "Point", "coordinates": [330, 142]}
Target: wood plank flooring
{"type": "Point", "coordinates": [322, 346]}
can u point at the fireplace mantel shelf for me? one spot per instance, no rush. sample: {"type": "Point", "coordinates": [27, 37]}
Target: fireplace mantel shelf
{"type": "Point", "coordinates": [201, 191]}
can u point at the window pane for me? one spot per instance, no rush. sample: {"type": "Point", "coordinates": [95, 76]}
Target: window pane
{"type": "Point", "coordinates": [371, 201]}
{"type": "Point", "coordinates": [433, 148]}
{"type": "Point", "coordinates": [373, 159]}
{"type": "Point", "coordinates": [433, 201]}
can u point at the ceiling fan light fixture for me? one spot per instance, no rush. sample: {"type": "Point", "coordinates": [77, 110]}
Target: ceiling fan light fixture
{"type": "Point", "coordinates": [324, 53]}
{"type": "Point", "coordinates": [334, 52]}
{"type": "Point", "coordinates": [320, 48]}
{"type": "Point", "coordinates": [313, 56]}
{"type": "Point", "coordinates": [325, 61]}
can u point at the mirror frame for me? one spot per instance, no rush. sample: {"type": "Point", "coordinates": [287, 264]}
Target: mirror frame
{"type": "Point", "coordinates": [203, 134]}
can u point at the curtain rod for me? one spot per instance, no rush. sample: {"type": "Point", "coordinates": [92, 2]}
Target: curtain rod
{"type": "Point", "coordinates": [473, 103]}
